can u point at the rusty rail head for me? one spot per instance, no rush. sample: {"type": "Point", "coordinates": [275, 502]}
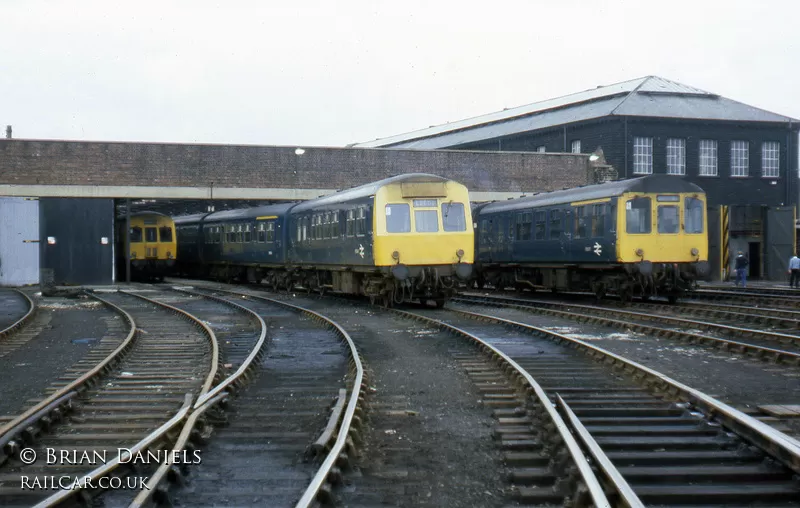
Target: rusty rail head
{"type": "Point", "coordinates": [212, 373]}
{"type": "Point", "coordinates": [587, 475]}
{"type": "Point", "coordinates": [107, 468]}
{"type": "Point", "coordinates": [11, 429]}
{"type": "Point", "coordinates": [24, 319]}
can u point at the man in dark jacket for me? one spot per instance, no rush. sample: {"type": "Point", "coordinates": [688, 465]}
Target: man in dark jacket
{"type": "Point", "coordinates": [741, 269]}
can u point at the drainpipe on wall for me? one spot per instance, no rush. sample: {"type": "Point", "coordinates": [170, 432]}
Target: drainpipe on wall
{"type": "Point", "coordinates": [565, 139]}
{"type": "Point", "coordinates": [625, 144]}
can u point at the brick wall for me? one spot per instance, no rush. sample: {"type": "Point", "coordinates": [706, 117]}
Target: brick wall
{"type": "Point", "coordinates": [32, 162]}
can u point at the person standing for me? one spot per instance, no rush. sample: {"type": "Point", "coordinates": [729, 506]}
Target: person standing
{"type": "Point", "coordinates": [794, 272]}
{"type": "Point", "coordinates": [741, 269]}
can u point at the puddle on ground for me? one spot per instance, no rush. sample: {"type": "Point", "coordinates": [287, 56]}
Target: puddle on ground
{"type": "Point", "coordinates": [88, 340]}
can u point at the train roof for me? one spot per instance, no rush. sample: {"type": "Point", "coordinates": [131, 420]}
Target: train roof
{"type": "Point", "coordinates": [144, 213]}
{"type": "Point", "coordinates": [649, 184]}
{"type": "Point", "coordinates": [189, 219]}
{"type": "Point", "coordinates": [249, 213]}
{"type": "Point", "coordinates": [366, 190]}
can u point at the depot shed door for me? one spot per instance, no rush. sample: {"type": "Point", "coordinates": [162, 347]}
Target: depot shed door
{"type": "Point", "coordinates": [19, 234]}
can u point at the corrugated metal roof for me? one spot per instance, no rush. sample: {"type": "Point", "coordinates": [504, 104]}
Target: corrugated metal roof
{"type": "Point", "coordinates": [650, 96]}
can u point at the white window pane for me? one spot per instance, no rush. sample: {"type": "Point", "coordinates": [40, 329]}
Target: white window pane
{"type": "Point", "coordinates": [770, 159]}
{"type": "Point", "coordinates": [676, 156]}
{"type": "Point", "coordinates": [642, 156]}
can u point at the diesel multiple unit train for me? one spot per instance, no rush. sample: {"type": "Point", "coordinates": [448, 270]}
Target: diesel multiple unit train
{"type": "Point", "coordinates": [639, 237]}
{"type": "Point", "coordinates": [153, 249]}
{"type": "Point", "coordinates": [400, 239]}
{"type": "Point", "coordinates": [414, 237]}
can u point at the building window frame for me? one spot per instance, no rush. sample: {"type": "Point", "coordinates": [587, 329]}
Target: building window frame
{"type": "Point", "coordinates": [676, 156]}
{"type": "Point", "coordinates": [541, 149]}
{"type": "Point", "coordinates": [740, 159]}
{"type": "Point", "coordinates": [642, 155]}
{"type": "Point", "coordinates": [770, 159]}
{"type": "Point", "coordinates": [707, 158]}
{"type": "Point", "coordinates": [576, 146]}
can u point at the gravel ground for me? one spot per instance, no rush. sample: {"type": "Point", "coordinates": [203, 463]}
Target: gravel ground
{"type": "Point", "coordinates": [74, 327]}
{"type": "Point", "coordinates": [429, 441]}
{"type": "Point", "coordinates": [728, 377]}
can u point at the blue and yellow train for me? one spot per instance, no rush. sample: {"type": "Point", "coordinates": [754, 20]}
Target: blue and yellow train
{"type": "Point", "coordinates": [151, 240]}
{"type": "Point", "coordinates": [638, 237]}
{"type": "Point", "coordinates": [405, 238]}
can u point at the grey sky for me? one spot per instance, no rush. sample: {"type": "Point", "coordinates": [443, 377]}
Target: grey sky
{"type": "Point", "coordinates": [332, 73]}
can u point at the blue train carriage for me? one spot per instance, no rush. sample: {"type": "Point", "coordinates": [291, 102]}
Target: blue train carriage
{"type": "Point", "coordinates": [400, 239]}
{"type": "Point", "coordinates": [246, 244]}
{"type": "Point", "coordinates": [638, 237]}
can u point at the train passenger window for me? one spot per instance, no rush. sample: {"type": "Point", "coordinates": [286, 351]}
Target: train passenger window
{"type": "Point", "coordinates": [453, 217]}
{"type": "Point", "coordinates": [598, 220]}
{"type": "Point", "coordinates": [305, 228]}
{"type": "Point", "coordinates": [239, 231]}
{"type": "Point", "coordinates": [555, 224]}
{"type": "Point", "coordinates": [248, 237]}
{"type": "Point", "coordinates": [541, 223]}
{"type": "Point", "coordinates": [398, 218]}
{"type": "Point", "coordinates": [335, 231]}
{"type": "Point", "coordinates": [150, 235]}
{"type": "Point", "coordinates": [486, 226]}
{"type": "Point", "coordinates": [326, 225]}
{"type": "Point", "coordinates": [164, 234]}
{"type": "Point", "coordinates": [524, 221]}
{"type": "Point", "coordinates": [637, 215]}
{"type": "Point", "coordinates": [427, 221]}
{"type": "Point", "coordinates": [668, 219]}
{"type": "Point", "coordinates": [270, 226]}
{"type": "Point", "coordinates": [350, 228]}
{"type": "Point", "coordinates": [261, 234]}
{"type": "Point", "coordinates": [693, 215]}
{"type": "Point", "coordinates": [580, 222]}
{"type": "Point", "coordinates": [136, 235]}
{"type": "Point", "coordinates": [361, 222]}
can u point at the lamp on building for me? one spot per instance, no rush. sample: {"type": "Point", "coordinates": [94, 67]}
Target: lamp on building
{"type": "Point", "coordinates": [598, 156]}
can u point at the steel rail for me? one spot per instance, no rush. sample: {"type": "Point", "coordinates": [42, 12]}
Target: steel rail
{"type": "Point", "coordinates": [247, 361]}
{"type": "Point", "coordinates": [24, 319]}
{"type": "Point", "coordinates": [153, 483]}
{"type": "Point", "coordinates": [107, 468]}
{"type": "Point", "coordinates": [605, 465]}
{"type": "Point", "coordinates": [10, 430]}
{"type": "Point", "coordinates": [321, 477]}
{"type": "Point", "coordinates": [212, 373]}
{"type": "Point", "coordinates": [775, 443]}
{"type": "Point", "coordinates": [586, 473]}
{"type": "Point", "coordinates": [203, 403]}
{"type": "Point", "coordinates": [761, 351]}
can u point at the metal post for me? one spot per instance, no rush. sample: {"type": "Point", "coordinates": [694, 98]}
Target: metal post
{"type": "Point", "coordinates": [724, 235]}
{"type": "Point", "coordinates": [127, 242]}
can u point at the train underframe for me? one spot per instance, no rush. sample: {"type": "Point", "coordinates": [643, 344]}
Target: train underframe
{"type": "Point", "coordinates": [386, 285]}
{"type": "Point", "coordinates": [626, 280]}
{"type": "Point", "coordinates": [149, 269]}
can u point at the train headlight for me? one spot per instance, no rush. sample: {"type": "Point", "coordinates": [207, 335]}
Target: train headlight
{"type": "Point", "coordinates": [460, 254]}
{"type": "Point", "coordinates": [695, 252]}
{"type": "Point", "coordinates": [169, 255]}
{"type": "Point", "coordinates": [640, 253]}
{"type": "Point", "coordinates": [396, 256]}
{"type": "Point", "coordinates": [133, 255]}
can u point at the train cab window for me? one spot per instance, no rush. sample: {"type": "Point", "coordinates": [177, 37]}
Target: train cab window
{"type": "Point", "coordinates": [398, 218]}
{"type": "Point", "coordinates": [453, 217]}
{"type": "Point", "coordinates": [524, 221]}
{"type": "Point", "coordinates": [541, 224]}
{"type": "Point", "coordinates": [693, 215]}
{"type": "Point", "coordinates": [637, 216]}
{"type": "Point", "coordinates": [270, 227]}
{"type": "Point", "coordinates": [598, 220]}
{"type": "Point", "coordinates": [136, 235]}
{"type": "Point", "coordinates": [150, 235]}
{"type": "Point", "coordinates": [165, 234]}
{"type": "Point", "coordinates": [427, 221]}
{"type": "Point", "coordinates": [349, 226]}
{"type": "Point", "coordinates": [668, 220]}
{"type": "Point", "coordinates": [555, 224]}
{"type": "Point", "coordinates": [580, 222]}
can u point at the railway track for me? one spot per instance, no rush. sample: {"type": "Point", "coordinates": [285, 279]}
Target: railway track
{"type": "Point", "coordinates": [746, 297]}
{"type": "Point", "coordinates": [15, 309]}
{"type": "Point", "coordinates": [776, 347]}
{"type": "Point", "coordinates": [300, 402]}
{"type": "Point", "coordinates": [659, 440]}
{"type": "Point", "coordinates": [130, 400]}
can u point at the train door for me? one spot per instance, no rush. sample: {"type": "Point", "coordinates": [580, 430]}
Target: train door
{"type": "Point", "coordinates": [504, 236]}
{"type": "Point", "coordinates": [150, 238]}
{"type": "Point", "coordinates": [485, 240]}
